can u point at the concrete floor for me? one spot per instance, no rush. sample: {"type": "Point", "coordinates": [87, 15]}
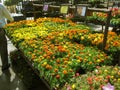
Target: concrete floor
{"type": "Point", "coordinates": [10, 81]}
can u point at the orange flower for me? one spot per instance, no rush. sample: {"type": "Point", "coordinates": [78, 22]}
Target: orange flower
{"type": "Point", "coordinates": [65, 62]}
{"type": "Point", "coordinates": [35, 51]}
{"type": "Point", "coordinates": [112, 33]}
{"type": "Point", "coordinates": [48, 66]}
{"type": "Point", "coordinates": [33, 56]}
{"type": "Point", "coordinates": [116, 43]}
{"type": "Point", "coordinates": [71, 70]}
{"type": "Point", "coordinates": [90, 62]}
{"type": "Point", "coordinates": [45, 55]}
{"type": "Point", "coordinates": [65, 72]}
{"type": "Point", "coordinates": [52, 46]}
{"type": "Point", "coordinates": [107, 46]}
{"type": "Point", "coordinates": [29, 52]}
{"type": "Point", "coordinates": [49, 53]}
{"type": "Point", "coordinates": [58, 60]}
{"type": "Point", "coordinates": [56, 70]}
{"type": "Point", "coordinates": [61, 49]}
{"type": "Point", "coordinates": [31, 41]}
{"type": "Point", "coordinates": [48, 57]}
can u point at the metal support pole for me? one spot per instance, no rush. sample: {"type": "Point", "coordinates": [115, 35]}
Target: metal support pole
{"type": "Point", "coordinates": [106, 30]}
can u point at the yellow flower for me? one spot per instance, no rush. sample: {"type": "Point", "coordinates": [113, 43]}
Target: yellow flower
{"type": "Point", "coordinates": [105, 70]}
{"type": "Point", "coordinates": [89, 54]}
{"type": "Point", "coordinates": [118, 79]}
{"type": "Point", "coordinates": [112, 77]}
{"type": "Point", "coordinates": [78, 60]}
{"type": "Point", "coordinates": [98, 60]}
{"type": "Point", "coordinates": [70, 62]}
{"type": "Point", "coordinates": [82, 38]}
{"type": "Point", "coordinates": [73, 86]}
{"type": "Point", "coordinates": [95, 40]}
{"type": "Point", "coordinates": [45, 63]}
{"type": "Point", "coordinates": [116, 69]}
{"type": "Point", "coordinates": [119, 73]}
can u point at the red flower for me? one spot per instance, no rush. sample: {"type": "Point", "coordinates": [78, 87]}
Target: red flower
{"type": "Point", "coordinates": [57, 76]}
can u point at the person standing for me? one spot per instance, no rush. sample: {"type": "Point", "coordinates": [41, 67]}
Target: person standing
{"type": "Point", "coordinates": [4, 14]}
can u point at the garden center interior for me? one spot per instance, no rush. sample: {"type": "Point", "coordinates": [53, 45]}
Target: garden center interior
{"type": "Point", "coordinates": [62, 45]}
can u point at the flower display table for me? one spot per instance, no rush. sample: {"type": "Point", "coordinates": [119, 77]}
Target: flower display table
{"type": "Point", "coordinates": [59, 48]}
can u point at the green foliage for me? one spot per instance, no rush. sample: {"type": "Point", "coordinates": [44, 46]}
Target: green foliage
{"type": "Point", "coordinates": [115, 21]}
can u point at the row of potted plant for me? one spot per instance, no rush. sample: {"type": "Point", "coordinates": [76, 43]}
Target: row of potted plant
{"type": "Point", "coordinates": [80, 33]}
{"type": "Point", "coordinates": [95, 39]}
{"type": "Point", "coordinates": [39, 28]}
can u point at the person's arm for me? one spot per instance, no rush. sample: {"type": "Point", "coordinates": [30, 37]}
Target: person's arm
{"type": "Point", "coordinates": [7, 14]}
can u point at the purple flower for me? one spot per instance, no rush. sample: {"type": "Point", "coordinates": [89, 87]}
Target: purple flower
{"type": "Point", "coordinates": [108, 87]}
